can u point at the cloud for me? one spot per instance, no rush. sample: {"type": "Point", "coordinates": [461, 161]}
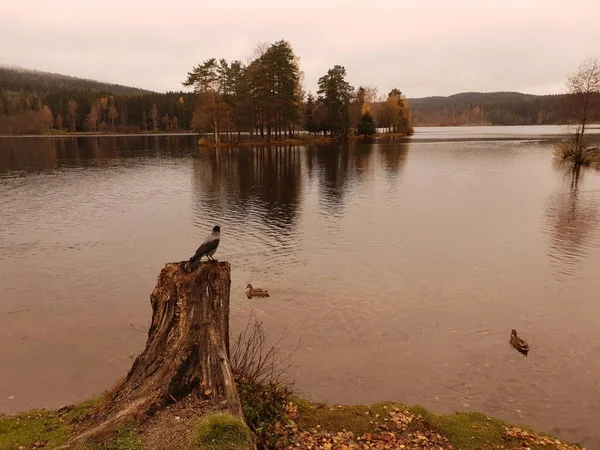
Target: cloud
{"type": "Point", "coordinates": [430, 47]}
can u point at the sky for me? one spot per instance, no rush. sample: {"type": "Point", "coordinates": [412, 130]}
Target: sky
{"type": "Point", "coordinates": [422, 47]}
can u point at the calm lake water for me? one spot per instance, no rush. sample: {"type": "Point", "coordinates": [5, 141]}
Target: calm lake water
{"type": "Point", "coordinates": [401, 266]}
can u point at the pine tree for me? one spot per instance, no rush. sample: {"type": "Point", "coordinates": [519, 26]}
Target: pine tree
{"type": "Point", "coordinates": [366, 126]}
{"type": "Point", "coordinates": [310, 124]}
{"type": "Point", "coordinates": [335, 93]}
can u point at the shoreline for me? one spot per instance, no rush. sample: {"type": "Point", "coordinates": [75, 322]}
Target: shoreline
{"type": "Point", "coordinates": [95, 134]}
{"type": "Point", "coordinates": [290, 421]}
{"type": "Point", "coordinates": [298, 141]}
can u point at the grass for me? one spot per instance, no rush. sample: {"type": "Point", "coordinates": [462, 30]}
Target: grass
{"type": "Point", "coordinates": [122, 439]}
{"type": "Point", "coordinates": [355, 418]}
{"type": "Point", "coordinates": [220, 432]}
{"type": "Point", "coordinates": [464, 430]}
{"type": "Point", "coordinates": [50, 427]}
{"type": "Point", "coordinates": [568, 152]}
{"type": "Point", "coordinates": [35, 426]}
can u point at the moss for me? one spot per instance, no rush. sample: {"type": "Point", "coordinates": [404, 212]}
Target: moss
{"type": "Point", "coordinates": [35, 426]}
{"type": "Point", "coordinates": [471, 430]}
{"type": "Point", "coordinates": [356, 418]}
{"type": "Point", "coordinates": [464, 430]}
{"type": "Point", "coordinates": [53, 428]}
{"type": "Point", "coordinates": [123, 439]}
{"type": "Point", "coordinates": [220, 432]}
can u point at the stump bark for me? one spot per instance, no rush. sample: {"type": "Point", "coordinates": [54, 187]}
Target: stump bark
{"type": "Point", "coordinates": [187, 350]}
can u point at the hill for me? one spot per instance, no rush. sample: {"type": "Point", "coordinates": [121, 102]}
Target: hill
{"type": "Point", "coordinates": [15, 79]}
{"type": "Point", "coordinates": [33, 102]}
{"type": "Point", "coordinates": [488, 108]}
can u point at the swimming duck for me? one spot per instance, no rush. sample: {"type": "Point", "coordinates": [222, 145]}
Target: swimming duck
{"type": "Point", "coordinates": [518, 343]}
{"type": "Point", "coordinates": [256, 292]}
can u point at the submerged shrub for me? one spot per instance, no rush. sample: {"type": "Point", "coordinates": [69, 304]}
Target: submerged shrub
{"type": "Point", "coordinates": [570, 152]}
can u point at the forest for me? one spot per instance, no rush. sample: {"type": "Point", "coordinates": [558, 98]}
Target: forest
{"type": "Point", "coordinates": [494, 108]}
{"type": "Point", "coordinates": [33, 102]}
{"type": "Point", "coordinates": [266, 100]}
{"type": "Point", "coordinates": [261, 99]}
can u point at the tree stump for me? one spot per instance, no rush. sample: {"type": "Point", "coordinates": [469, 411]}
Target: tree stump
{"type": "Point", "coordinates": [187, 349]}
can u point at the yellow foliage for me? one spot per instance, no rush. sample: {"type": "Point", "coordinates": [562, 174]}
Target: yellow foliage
{"type": "Point", "coordinates": [366, 108]}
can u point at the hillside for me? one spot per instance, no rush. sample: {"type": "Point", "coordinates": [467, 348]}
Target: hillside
{"type": "Point", "coordinates": [33, 102]}
{"type": "Point", "coordinates": [492, 108]}
{"type": "Point", "coordinates": [14, 79]}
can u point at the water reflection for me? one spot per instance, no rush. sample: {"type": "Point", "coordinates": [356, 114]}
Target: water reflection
{"type": "Point", "coordinates": [41, 154]}
{"type": "Point", "coordinates": [394, 158]}
{"type": "Point", "coordinates": [236, 185]}
{"type": "Point", "coordinates": [374, 279]}
{"type": "Point", "coordinates": [572, 219]}
{"type": "Point", "coordinates": [330, 166]}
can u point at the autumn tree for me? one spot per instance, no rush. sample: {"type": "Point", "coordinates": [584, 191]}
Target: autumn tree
{"type": "Point", "coordinates": [365, 95]}
{"type": "Point", "coordinates": [112, 113]}
{"type": "Point", "coordinates": [166, 120]}
{"type": "Point", "coordinates": [92, 120]}
{"type": "Point", "coordinates": [46, 119]}
{"type": "Point", "coordinates": [154, 114]}
{"type": "Point", "coordinates": [335, 93]}
{"type": "Point", "coordinates": [207, 81]}
{"type": "Point", "coordinates": [123, 113]}
{"type": "Point", "coordinates": [144, 121]}
{"type": "Point", "coordinates": [58, 122]}
{"type": "Point", "coordinates": [583, 88]}
{"type": "Point", "coordinates": [72, 113]}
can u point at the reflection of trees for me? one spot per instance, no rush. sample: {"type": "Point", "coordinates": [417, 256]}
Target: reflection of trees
{"type": "Point", "coordinates": [331, 163]}
{"type": "Point", "coordinates": [363, 155]}
{"type": "Point", "coordinates": [393, 158]}
{"type": "Point", "coordinates": [572, 219]}
{"type": "Point", "coordinates": [49, 153]}
{"type": "Point", "coordinates": [338, 166]}
{"type": "Point", "coordinates": [231, 184]}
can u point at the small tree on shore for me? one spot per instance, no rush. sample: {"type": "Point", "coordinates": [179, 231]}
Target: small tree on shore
{"type": "Point", "coordinates": [583, 106]}
{"type": "Point", "coordinates": [583, 89]}
{"type": "Point", "coordinates": [366, 126]}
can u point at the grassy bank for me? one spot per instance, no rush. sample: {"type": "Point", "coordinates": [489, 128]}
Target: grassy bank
{"type": "Point", "coordinates": [297, 424]}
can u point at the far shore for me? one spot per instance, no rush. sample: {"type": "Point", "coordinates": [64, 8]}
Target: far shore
{"type": "Point", "coordinates": [96, 134]}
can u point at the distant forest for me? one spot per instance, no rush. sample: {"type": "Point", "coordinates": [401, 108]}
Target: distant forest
{"type": "Point", "coordinates": [38, 102]}
{"type": "Point", "coordinates": [494, 108]}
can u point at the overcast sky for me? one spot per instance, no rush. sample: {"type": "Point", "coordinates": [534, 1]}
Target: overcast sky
{"type": "Point", "coordinates": [435, 47]}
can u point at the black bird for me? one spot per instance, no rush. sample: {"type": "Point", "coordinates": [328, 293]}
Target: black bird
{"type": "Point", "coordinates": [208, 248]}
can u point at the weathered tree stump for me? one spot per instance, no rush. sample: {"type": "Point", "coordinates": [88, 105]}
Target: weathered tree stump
{"type": "Point", "coordinates": [187, 349]}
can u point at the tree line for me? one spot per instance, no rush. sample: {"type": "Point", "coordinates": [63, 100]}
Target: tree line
{"type": "Point", "coordinates": [34, 102]}
{"type": "Point", "coordinates": [494, 108]}
{"type": "Point", "coordinates": [265, 99]}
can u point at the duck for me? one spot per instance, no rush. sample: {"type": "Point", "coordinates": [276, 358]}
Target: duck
{"type": "Point", "coordinates": [518, 343]}
{"type": "Point", "coordinates": [256, 292]}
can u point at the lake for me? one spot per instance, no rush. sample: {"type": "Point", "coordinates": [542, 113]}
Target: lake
{"type": "Point", "coordinates": [400, 267]}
